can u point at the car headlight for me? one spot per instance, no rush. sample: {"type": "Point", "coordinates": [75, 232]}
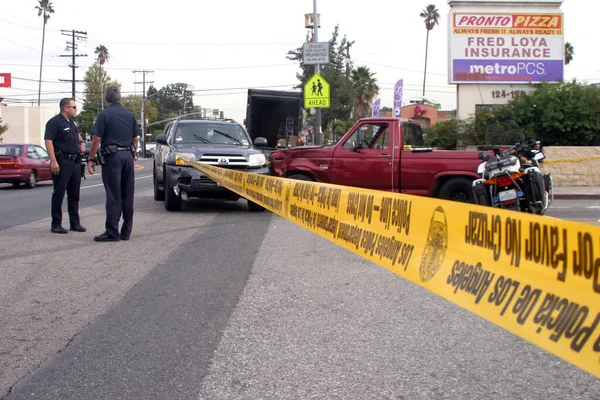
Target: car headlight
{"type": "Point", "coordinates": [257, 160]}
{"type": "Point", "coordinates": [184, 158]}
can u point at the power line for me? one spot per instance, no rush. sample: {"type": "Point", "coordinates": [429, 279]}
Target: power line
{"type": "Point", "coordinates": [166, 69]}
{"type": "Point", "coordinates": [240, 44]}
{"type": "Point", "coordinates": [33, 80]}
{"type": "Point", "coordinates": [398, 68]}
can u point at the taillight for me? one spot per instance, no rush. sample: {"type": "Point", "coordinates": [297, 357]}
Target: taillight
{"type": "Point", "coordinates": [503, 180]}
{"type": "Point", "coordinates": [18, 163]}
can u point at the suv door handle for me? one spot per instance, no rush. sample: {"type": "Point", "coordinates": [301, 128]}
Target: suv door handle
{"type": "Point", "coordinates": [385, 156]}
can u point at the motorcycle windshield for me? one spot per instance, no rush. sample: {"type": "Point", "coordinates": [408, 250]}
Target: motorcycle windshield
{"type": "Point", "coordinates": [503, 133]}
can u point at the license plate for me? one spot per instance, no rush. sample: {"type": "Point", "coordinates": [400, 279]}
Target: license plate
{"type": "Point", "coordinates": [507, 195]}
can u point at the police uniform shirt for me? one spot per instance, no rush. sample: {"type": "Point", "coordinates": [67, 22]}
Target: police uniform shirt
{"type": "Point", "coordinates": [116, 125]}
{"type": "Point", "coordinates": [63, 133]}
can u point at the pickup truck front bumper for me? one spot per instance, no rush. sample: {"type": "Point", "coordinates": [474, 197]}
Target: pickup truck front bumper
{"type": "Point", "coordinates": [194, 183]}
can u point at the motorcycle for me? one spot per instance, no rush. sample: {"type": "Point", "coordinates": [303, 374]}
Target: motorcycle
{"type": "Point", "coordinates": [511, 179]}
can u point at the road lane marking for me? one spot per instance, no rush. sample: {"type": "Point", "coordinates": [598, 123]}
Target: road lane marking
{"type": "Point", "coordinates": [102, 184]}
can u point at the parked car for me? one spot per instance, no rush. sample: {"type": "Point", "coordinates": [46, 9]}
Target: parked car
{"type": "Point", "coordinates": [24, 163]}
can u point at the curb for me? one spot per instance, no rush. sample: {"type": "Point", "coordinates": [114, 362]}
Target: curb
{"type": "Point", "coordinates": [581, 196]}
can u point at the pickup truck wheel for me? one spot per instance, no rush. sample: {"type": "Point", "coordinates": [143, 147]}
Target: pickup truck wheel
{"type": "Point", "coordinates": [458, 189]}
{"type": "Point", "coordinates": [159, 194]}
{"type": "Point", "coordinates": [301, 177]}
{"type": "Point", "coordinates": [172, 201]}
{"type": "Point", "coordinates": [252, 206]}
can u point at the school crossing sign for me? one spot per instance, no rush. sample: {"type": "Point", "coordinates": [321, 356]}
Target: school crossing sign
{"type": "Point", "coordinates": [316, 92]}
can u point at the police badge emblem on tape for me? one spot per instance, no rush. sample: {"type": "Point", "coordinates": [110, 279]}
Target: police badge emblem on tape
{"type": "Point", "coordinates": [435, 246]}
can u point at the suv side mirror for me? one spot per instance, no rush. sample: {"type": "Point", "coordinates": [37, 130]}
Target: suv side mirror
{"type": "Point", "coordinates": [162, 139]}
{"type": "Point", "coordinates": [260, 142]}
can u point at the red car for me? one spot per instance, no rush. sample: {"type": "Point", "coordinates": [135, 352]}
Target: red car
{"type": "Point", "coordinates": [28, 163]}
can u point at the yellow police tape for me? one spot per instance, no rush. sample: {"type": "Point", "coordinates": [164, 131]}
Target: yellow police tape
{"type": "Point", "coordinates": [571, 160]}
{"type": "Point", "coordinates": [537, 277]}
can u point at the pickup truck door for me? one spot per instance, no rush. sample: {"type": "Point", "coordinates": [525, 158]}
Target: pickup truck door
{"type": "Point", "coordinates": [364, 159]}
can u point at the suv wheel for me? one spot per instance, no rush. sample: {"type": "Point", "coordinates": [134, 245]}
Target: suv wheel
{"type": "Point", "coordinates": [159, 194]}
{"type": "Point", "coordinates": [172, 201]}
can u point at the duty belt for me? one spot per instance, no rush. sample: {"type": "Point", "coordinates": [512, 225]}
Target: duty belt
{"type": "Point", "coordinates": [70, 157]}
{"type": "Point", "coordinates": [123, 148]}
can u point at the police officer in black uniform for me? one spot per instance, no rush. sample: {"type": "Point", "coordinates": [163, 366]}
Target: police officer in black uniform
{"type": "Point", "coordinates": [116, 133]}
{"type": "Point", "coordinates": [65, 145]}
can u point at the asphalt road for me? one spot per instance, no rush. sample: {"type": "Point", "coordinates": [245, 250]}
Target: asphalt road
{"type": "Point", "coordinates": [216, 302]}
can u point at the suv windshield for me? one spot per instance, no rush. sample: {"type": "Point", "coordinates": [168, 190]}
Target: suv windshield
{"type": "Point", "coordinates": [207, 133]}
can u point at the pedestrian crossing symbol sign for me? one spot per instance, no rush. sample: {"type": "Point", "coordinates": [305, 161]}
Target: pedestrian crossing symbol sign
{"type": "Point", "coordinates": [316, 92]}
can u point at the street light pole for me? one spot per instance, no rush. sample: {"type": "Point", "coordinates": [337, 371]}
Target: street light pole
{"type": "Point", "coordinates": [318, 140]}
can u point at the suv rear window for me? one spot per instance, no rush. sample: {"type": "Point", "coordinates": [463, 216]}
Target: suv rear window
{"type": "Point", "coordinates": [208, 133]}
{"type": "Point", "coordinates": [10, 150]}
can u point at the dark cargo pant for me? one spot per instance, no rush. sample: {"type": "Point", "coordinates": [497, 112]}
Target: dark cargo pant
{"type": "Point", "coordinates": [68, 180]}
{"type": "Point", "coordinates": [119, 179]}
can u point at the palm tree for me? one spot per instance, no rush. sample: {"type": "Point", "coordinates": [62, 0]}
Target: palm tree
{"type": "Point", "coordinates": [44, 8]}
{"type": "Point", "coordinates": [365, 86]}
{"type": "Point", "coordinates": [569, 52]}
{"type": "Point", "coordinates": [431, 18]}
{"type": "Point", "coordinates": [102, 57]}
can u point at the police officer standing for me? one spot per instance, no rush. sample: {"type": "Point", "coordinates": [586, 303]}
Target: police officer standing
{"type": "Point", "coordinates": [116, 133]}
{"type": "Point", "coordinates": [64, 145]}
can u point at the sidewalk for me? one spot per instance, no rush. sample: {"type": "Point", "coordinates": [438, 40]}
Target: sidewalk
{"type": "Point", "coordinates": [576, 192]}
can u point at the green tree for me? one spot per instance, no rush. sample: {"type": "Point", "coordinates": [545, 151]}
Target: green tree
{"type": "Point", "coordinates": [44, 8]}
{"type": "Point", "coordinates": [431, 18]}
{"type": "Point", "coordinates": [558, 114]}
{"type": "Point", "coordinates": [95, 79]}
{"type": "Point", "coordinates": [102, 57]}
{"type": "Point", "coordinates": [569, 52]}
{"type": "Point", "coordinates": [341, 89]}
{"type": "Point", "coordinates": [174, 98]}
{"type": "Point", "coordinates": [365, 88]}
{"type": "Point", "coordinates": [134, 104]}
{"type": "Point", "coordinates": [3, 128]}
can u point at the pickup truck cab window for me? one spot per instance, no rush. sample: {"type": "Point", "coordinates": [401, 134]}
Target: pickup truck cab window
{"type": "Point", "coordinates": [367, 135]}
{"type": "Point", "coordinates": [412, 135]}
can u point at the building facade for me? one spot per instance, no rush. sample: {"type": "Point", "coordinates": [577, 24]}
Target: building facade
{"type": "Point", "coordinates": [26, 124]}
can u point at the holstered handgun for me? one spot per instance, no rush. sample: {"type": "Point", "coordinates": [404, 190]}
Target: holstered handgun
{"type": "Point", "coordinates": [58, 154]}
{"type": "Point", "coordinates": [100, 158]}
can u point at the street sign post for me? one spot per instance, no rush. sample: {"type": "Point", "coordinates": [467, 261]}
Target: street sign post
{"type": "Point", "coordinates": [316, 93]}
{"type": "Point", "coordinates": [316, 53]}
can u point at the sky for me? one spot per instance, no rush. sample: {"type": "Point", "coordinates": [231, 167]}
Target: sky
{"type": "Point", "coordinates": [222, 48]}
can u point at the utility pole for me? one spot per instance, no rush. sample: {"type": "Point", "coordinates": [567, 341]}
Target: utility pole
{"type": "Point", "coordinates": [72, 45]}
{"type": "Point", "coordinates": [318, 140]}
{"type": "Point", "coordinates": [348, 44]}
{"type": "Point", "coordinates": [143, 123]}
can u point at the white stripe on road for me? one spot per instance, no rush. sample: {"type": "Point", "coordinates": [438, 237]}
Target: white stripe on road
{"type": "Point", "coordinates": [102, 184]}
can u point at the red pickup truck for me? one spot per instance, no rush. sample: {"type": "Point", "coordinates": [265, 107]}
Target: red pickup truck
{"type": "Point", "coordinates": [383, 154]}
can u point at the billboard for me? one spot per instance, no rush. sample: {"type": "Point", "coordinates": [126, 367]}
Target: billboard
{"type": "Point", "coordinates": [506, 48]}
